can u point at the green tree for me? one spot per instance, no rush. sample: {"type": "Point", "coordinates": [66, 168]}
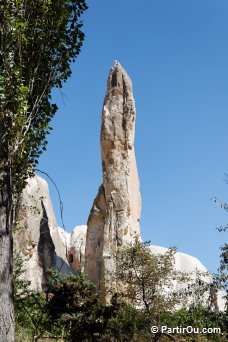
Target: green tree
{"type": "Point", "coordinates": [222, 276]}
{"type": "Point", "coordinates": [147, 280]}
{"type": "Point", "coordinates": [223, 268]}
{"type": "Point", "coordinates": [39, 39]}
{"type": "Point", "coordinates": [69, 310]}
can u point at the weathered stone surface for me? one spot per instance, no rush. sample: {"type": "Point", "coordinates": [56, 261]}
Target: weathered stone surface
{"type": "Point", "coordinates": [38, 238]}
{"type": "Point", "coordinates": [76, 248]}
{"type": "Point", "coordinates": [192, 267]}
{"type": "Point", "coordinates": [114, 217]}
{"type": "Point", "coordinates": [42, 244]}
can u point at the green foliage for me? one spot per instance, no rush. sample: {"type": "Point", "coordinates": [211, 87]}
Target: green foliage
{"type": "Point", "coordinates": [200, 290]}
{"type": "Point", "coordinates": [222, 276]}
{"type": "Point", "coordinates": [76, 308]}
{"type": "Point", "coordinates": [146, 277]}
{"type": "Point", "coordinates": [39, 39]}
{"type": "Point", "coordinates": [147, 283]}
{"type": "Point", "coordinates": [129, 324]}
{"type": "Point", "coordinates": [198, 317]}
{"type": "Point", "coordinates": [72, 302]}
{"type": "Point", "coordinates": [70, 310]}
{"type": "Point", "coordinates": [29, 306]}
{"type": "Point", "coordinates": [223, 269]}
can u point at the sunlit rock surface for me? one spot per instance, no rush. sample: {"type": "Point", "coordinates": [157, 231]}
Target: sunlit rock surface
{"type": "Point", "coordinates": [192, 267]}
{"type": "Point", "coordinates": [115, 214]}
{"type": "Point", "coordinates": [38, 237]}
{"type": "Point", "coordinates": [76, 249]}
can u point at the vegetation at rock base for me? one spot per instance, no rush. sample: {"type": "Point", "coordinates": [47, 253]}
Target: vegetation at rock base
{"type": "Point", "coordinates": [70, 310]}
{"type": "Point", "coordinates": [145, 276]}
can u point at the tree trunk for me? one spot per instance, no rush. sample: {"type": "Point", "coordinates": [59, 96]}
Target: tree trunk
{"type": "Point", "coordinates": [6, 259]}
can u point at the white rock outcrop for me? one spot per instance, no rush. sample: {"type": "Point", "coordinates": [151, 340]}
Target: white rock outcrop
{"type": "Point", "coordinates": [38, 237]}
{"type": "Point", "coordinates": [183, 262]}
{"type": "Point", "coordinates": [75, 245]}
{"type": "Point", "coordinates": [115, 214]}
{"type": "Point", "coordinates": [41, 243]}
{"type": "Point", "coordinates": [193, 268]}
{"type": "Point", "coordinates": [76, 248]}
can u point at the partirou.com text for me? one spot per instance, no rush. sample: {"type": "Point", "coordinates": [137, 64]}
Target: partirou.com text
{"type": "Point", "coordinates": [184, 330]}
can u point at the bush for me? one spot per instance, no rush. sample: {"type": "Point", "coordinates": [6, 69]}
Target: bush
{"type": "Point", "coordinates": [70, 310]}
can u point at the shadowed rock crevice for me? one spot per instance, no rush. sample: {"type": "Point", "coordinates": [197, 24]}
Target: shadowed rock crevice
{"type": "Point", "coordinates": [46, 247]}
{"type": "Point", "coordinates": [38, 239]}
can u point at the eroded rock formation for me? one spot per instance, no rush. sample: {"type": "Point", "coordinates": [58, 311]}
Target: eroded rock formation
{"type": "Point", "coordinates": [42, 244]}
{"type": "Point", "coordinates": [115, 214]}
{"type": "Point", "coordinates": [76, 249]}
{"type": "Point", "coordinates": [75, 244]}
{"type": "Point", "coordinates": [38, 237]}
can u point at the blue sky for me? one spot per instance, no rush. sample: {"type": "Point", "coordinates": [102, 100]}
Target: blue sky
{"type": "Point", "coordinates": [176, 53]}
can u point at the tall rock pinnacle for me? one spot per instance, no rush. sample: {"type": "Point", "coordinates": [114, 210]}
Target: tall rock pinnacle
{"type": "Point", "coordinates": [115, 214]}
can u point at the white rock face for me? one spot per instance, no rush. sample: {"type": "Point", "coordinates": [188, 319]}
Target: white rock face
{"type": "Point", "coordinates": [75, 242]}
{"type": "Point", "coordinates": [76, 250]}
{"type": "Point", "coordinates": [183, 262]}
{"type": "Point", "coordinates": [44, 245]}
{"type": "Point", "coordinates": [39, 237]}
{"type": "Point", "coordinates": [114, 217]}
{"type": "Point", "coordinates": [65, 237]}
{"type": "Point", "coordinates": [190, 265]}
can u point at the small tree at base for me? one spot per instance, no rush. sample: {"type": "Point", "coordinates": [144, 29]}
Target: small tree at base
{"type": "Point", "coordinates": [147, 280]}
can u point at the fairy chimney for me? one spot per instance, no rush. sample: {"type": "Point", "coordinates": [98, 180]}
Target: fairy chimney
{"type": "Point", "coordinates": [115, 214]}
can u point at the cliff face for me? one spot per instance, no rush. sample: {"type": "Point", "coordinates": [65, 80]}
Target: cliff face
{"type": "Point", "coordinates": [41, 243]}
{"type": "Point", "coordinates": [115, 214]}
{"type": "Point", "coordinates": [38, 237]}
